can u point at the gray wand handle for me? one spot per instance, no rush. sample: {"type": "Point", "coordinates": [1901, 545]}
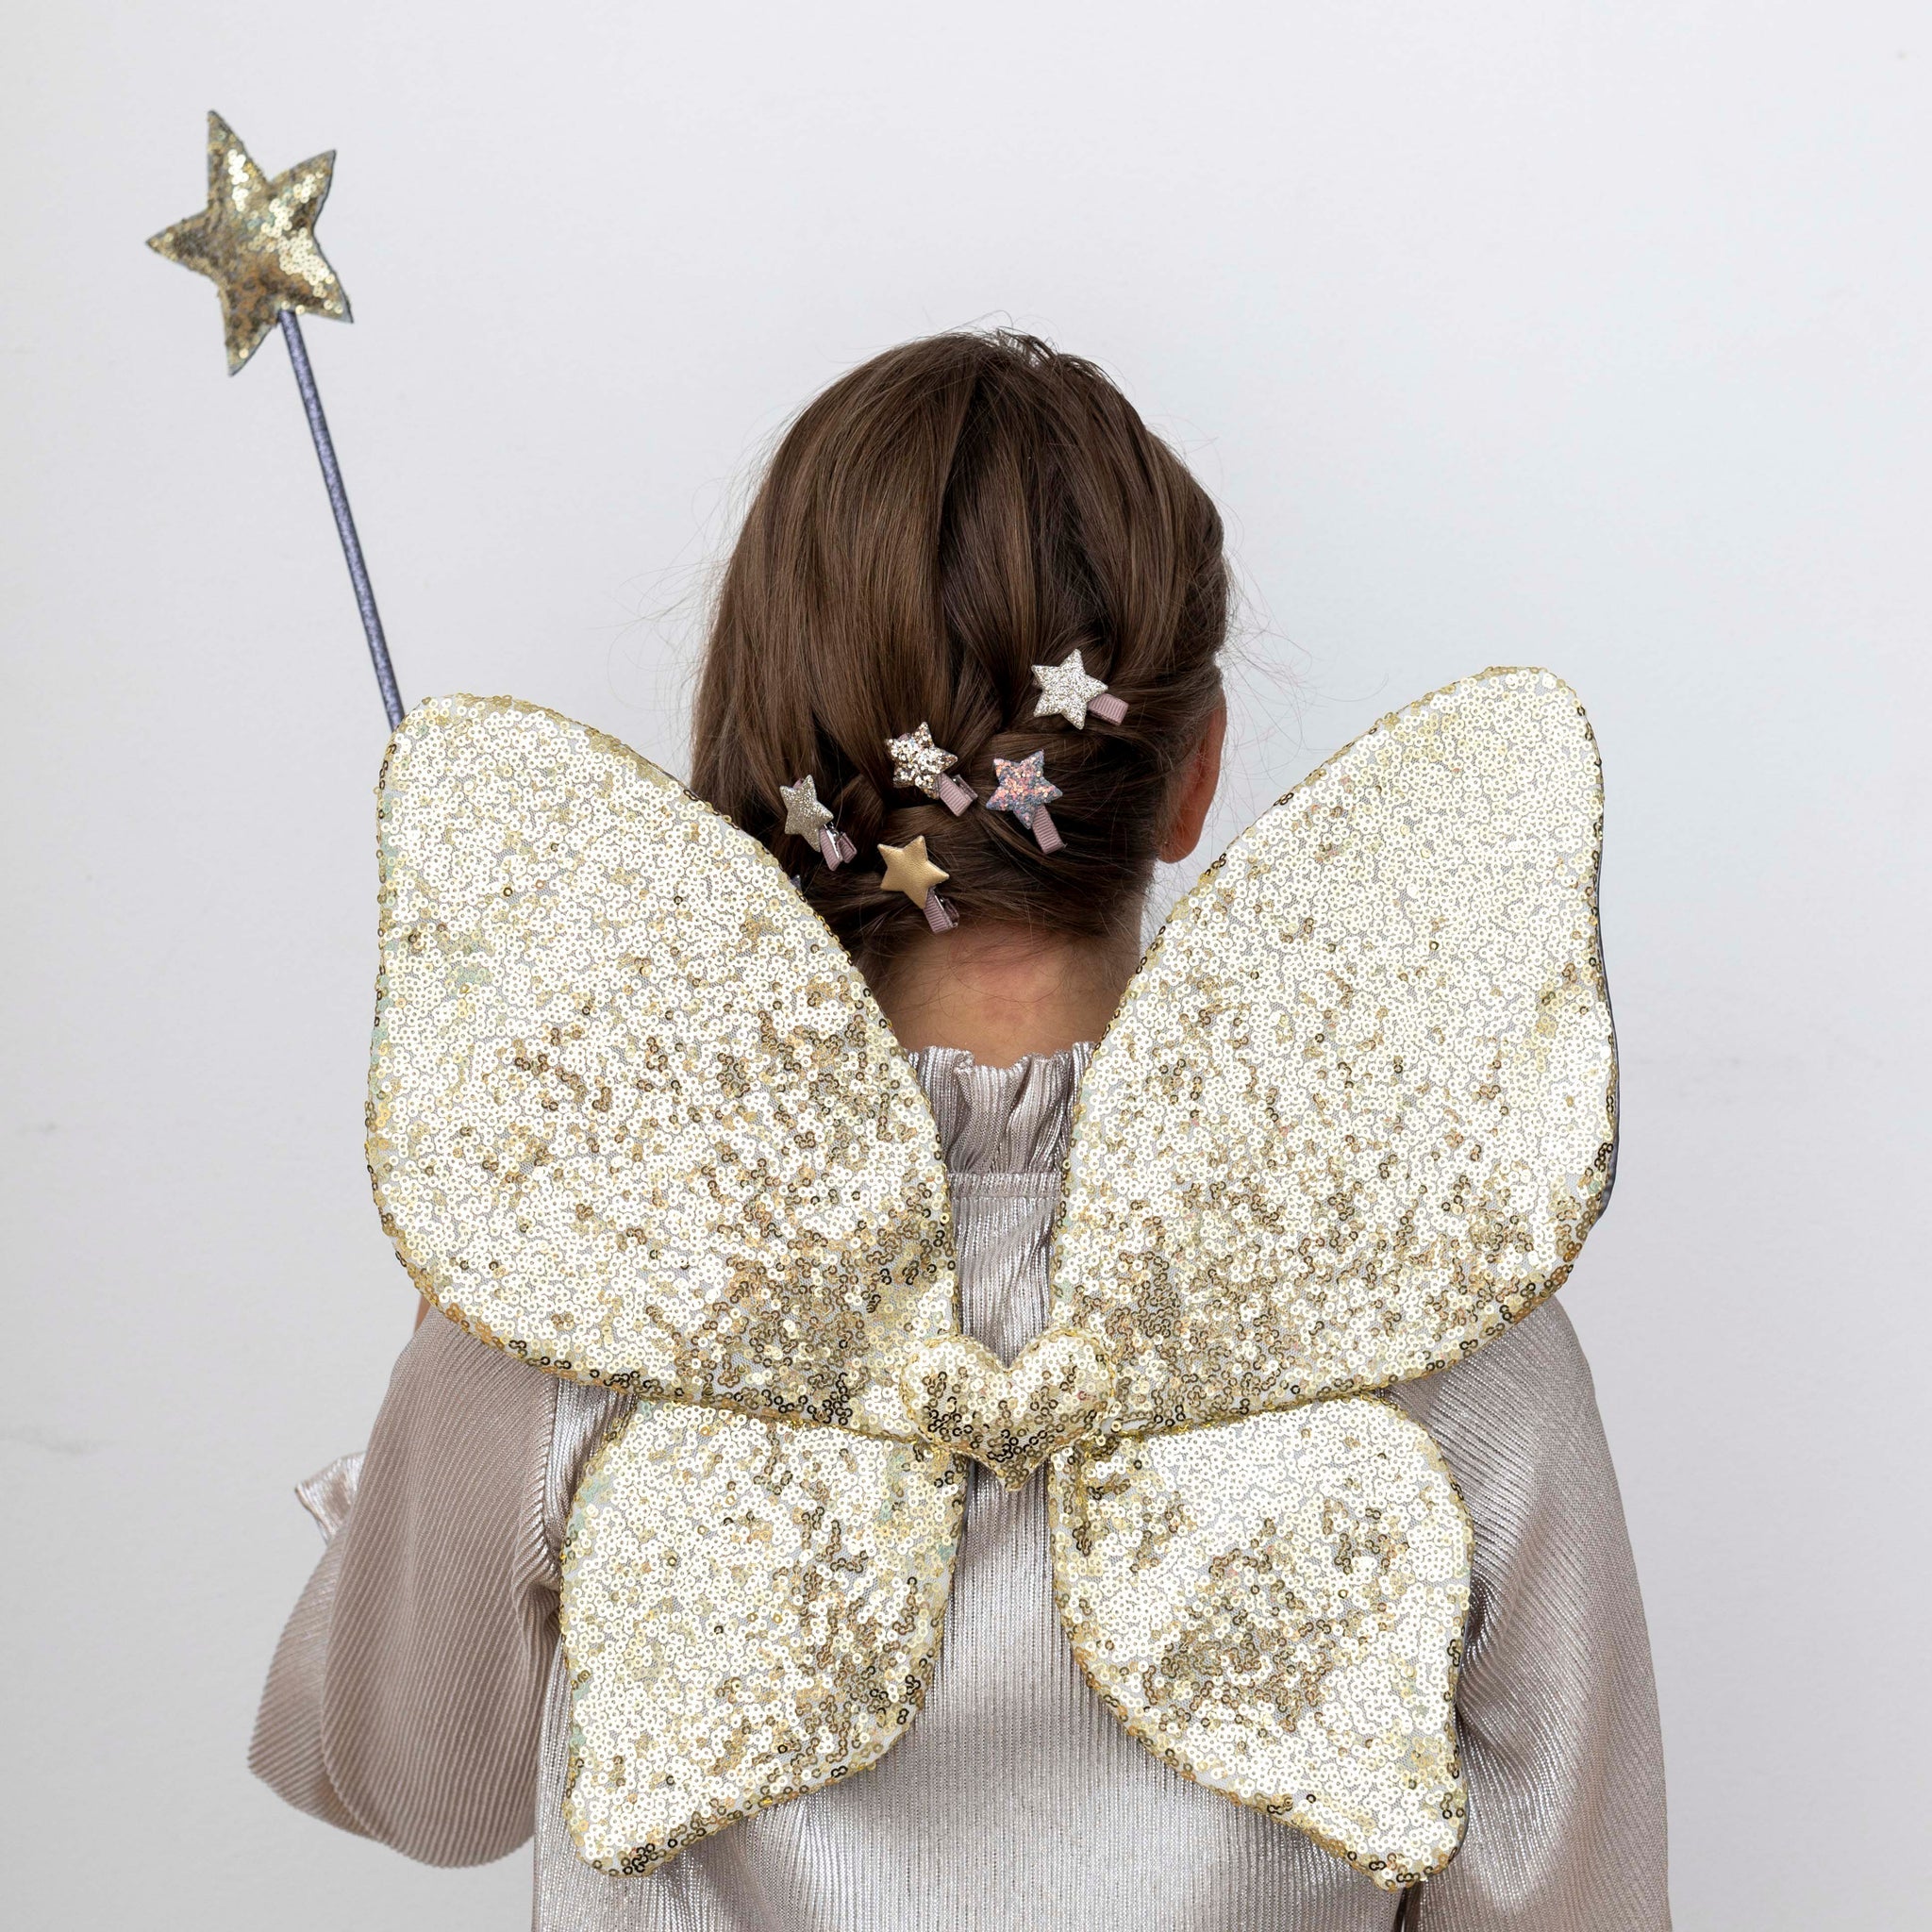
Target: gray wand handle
{"type": "Point", "coordinates": [345, 522]}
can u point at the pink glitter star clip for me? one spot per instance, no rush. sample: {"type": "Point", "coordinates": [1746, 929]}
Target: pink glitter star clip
{"type": "Point", "coordinates": [1025, 791]}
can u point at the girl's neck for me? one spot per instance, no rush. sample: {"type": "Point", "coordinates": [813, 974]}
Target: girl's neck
{"type": "Point", "coordinates": [1002, 993]}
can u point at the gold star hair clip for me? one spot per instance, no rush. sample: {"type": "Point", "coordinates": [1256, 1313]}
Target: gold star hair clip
{"type": "Point", "coordinates": [921, 765]}
{"type": "Point", "coordinates": [806, 818]}
{"type": "Point", "coordinates": [1066, 690]}
{"type": "Point", "coordinates": [909, 870]}
{"type": "Point", "coordinates": [1025, 791]}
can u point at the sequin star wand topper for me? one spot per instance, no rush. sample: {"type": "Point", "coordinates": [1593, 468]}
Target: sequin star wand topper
{"type": "Point", "coordinates": [255, 241]}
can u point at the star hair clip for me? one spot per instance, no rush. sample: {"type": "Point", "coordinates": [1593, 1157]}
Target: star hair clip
{"type": "Point", "coordinates": [921, 765]}
{"type": "Point", "coordinates": [1066, 690]}
{"type": "Point", "coordinates": [1025, 791]}
{"type": "Point", "coordinates": [806, 818]}
{"type": "Point", "coordinates": [909, 870]}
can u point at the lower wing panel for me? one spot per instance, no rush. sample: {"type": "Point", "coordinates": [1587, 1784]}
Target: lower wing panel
{"type": "Point", "coordinates": [1274, 1607]}
{"type": "Point", "coordinates": [751, 1610]}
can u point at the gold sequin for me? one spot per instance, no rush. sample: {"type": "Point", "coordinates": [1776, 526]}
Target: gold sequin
{"type": "Point", "coordinates": [1356, 1110]}
{"type": "Point", "coordinates": [1009, 1417]}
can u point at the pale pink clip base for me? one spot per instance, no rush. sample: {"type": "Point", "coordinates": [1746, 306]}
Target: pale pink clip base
{"type": "Point", "coordinates": [955, 796]}
{"type": "Point", "coordinates": [836, 847]}
{"type": "Point", "coordinates": [1109, 706]}
{"type": "Point", "coordinates": [1046, 830]}
{"type": "Point", "coordinates": [939, 915]}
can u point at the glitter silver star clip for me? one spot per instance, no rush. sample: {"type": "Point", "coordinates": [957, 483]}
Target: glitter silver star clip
{"type": "Point", "coordinates": [806, 818]}
{"type": "Point", "coordinates": [1066, 690]}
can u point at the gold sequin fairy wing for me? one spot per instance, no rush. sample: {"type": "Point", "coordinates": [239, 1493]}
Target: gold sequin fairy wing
{"type": "Point", "coordinates": [1357, 1109]}
{"type": "Point", "coordinates": [1356, 1113]}
{"type": "Point", "coordinates": [633, 1114]}
{"type": "Point", "coordinates": [634, 1117]}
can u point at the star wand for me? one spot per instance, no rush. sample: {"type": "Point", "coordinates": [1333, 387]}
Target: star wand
{"type": "Point", "coordinates": [256, 243]}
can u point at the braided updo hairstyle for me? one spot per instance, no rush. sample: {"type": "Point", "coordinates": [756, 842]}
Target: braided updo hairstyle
{"type": "Point", "coordinates": [933, 524]}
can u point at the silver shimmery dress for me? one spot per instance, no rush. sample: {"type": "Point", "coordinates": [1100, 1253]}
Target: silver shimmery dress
{"type": "Point", "coordinates": [418, 1696]}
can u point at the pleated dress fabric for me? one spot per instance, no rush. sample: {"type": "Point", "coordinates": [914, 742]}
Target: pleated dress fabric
{"type": "Point", "coordinates": [419, 1696]}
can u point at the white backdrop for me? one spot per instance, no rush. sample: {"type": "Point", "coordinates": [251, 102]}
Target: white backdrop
{"type": "Point", "coordinates": [1519, 330]}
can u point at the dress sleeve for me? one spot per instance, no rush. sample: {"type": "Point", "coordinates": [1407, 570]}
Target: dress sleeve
{"type": "Point", "coordinates": [406, 1692]}
{"type": "Point", "coordinates": [1557, 1708]}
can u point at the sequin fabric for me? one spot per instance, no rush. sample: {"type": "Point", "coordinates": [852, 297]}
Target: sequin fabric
{"type": "Point", "coordinates": [633, 1114]}
{"type": "Point", "coordinates": [1009, 1417]}
{"type": "Point", "coordinates": [1275, 1605]}
{"type": "Point", "coordinates": [255, 241]}
{"type": "Point", "coordinates": [751, 1610]}
{"type": "Point", "coordinates": [634, 1118]}
{"type": "Point", "coordinates": [1356, 1110]}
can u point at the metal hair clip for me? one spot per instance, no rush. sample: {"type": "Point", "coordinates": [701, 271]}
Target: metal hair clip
{"type": "Point", "coordinates": [909, 870]}
{"type": "Point", "coordinates": [1025, 791]}
{"type": "Point", "coordinates": [806, 818]}
{"type": "Point", "coordinates": [921, 764]}
{"type": "Point", "coordinates": [1066, 690]}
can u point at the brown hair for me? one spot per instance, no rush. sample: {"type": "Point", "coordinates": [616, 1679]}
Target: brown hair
{"type": "Point", "coordinates": [933, 524]}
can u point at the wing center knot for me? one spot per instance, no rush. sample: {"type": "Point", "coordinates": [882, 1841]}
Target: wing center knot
{"type": "Point", "coordinates": [1009, 1418]}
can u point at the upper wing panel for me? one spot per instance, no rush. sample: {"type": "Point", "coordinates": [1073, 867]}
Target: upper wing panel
{"type": "Point", "coordinates": [1356, 1110]}
{"type": "Point", "coordinates": [633, 1114]}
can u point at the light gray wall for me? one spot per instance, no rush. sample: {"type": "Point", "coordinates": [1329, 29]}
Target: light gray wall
{"type": "Point", "coordinates": [1591, 336]}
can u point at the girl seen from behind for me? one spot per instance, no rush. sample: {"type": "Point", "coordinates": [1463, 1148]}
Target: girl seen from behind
{"type": "Point", "coordinates": [981, 608]}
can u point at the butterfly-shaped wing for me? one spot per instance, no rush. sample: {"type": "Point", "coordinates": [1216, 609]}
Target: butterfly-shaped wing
{"type": "Point", "coordinates": [1356, 1113]}
{"type": "Point", "coordinates": [634, 1117]}
{"type": "Point", "coordinates": [633, 1114]}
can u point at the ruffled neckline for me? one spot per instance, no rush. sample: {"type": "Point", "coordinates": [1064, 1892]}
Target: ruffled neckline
{"type": "Point", "coordinates": [1002, 1120]}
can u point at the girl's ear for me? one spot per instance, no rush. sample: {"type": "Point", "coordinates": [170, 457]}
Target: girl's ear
{"type": "Point", "coordinates": [1198, 782]}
